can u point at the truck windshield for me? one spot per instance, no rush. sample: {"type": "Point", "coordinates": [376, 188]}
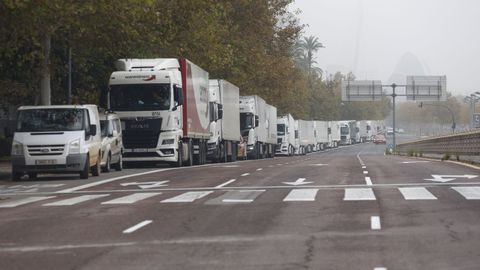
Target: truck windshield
{"type": "Point", "coordinates": [281, 129]}
{"type": "Point", "coordinates": [345, 130]}
{"type": "Point", "coordinates": [37, 120]}
{"type": "Point", "coordinates": [246, 121]}
{"type": "Point", "coordinates": [140, 97]}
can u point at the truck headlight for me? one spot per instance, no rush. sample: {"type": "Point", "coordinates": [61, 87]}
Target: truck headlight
{"type": "Point", "coordinates": [17, 148]}
{"type": "Point", "coordinates": [74, 147]}
{"type": "Point", "coordinates": [168, 141]}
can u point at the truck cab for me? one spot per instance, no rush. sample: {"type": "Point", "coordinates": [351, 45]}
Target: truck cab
{"type": "Point", "coordinates": [56, 139]}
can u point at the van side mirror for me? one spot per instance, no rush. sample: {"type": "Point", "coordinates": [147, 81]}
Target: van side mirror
{"type": "Point", "coordinates": [220, 111]}
{"type": "Point", "coordinates": [92, 130]}
{"type": "Point", "coordinates": [256, 121]}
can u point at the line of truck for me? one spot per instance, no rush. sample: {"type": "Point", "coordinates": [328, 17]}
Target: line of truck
{"type": "Point", "coordinates": [171, 112]}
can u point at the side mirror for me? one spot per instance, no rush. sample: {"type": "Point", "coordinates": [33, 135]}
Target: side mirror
{"type": "Point", "coordinates": [178, 96]}
{"type": "Point", "coordinates": [92, 131]}
{"type": "Point", "coordinates": [211, 109]}
{"type": "Point", "coordinates": [175, 106]}
{"type": "Point", "coordinates": [256, 121]}
{"type": "Point", "coordinates": [220, 111]}
{"type": "Point", "coordinates": [329, 130]}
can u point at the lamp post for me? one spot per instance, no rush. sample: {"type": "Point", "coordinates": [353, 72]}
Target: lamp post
{"type": "Point", "coordinates": [443, 106]}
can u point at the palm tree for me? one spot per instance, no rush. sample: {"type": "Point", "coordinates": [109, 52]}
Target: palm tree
{"type": "Point", "coordinates": [303, 52]}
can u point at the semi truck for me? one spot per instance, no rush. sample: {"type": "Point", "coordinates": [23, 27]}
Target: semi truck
{"type": "Point", "coordinates": [57, 139]}
{"type": "Point", "coordinates": [348, 131]}
{"type": "Point", "coordinates": [321, 134]}
{"type": "Point", "coordinates": [164, 108]}
{"type": "Point", "coordinates": [258, 126]}
{"type": "Point", "coordinates": [225, 131]}
{"type": "Point", "coordinates": [306, 134]}
{"type": "Point", "coordinates": [285, 135]}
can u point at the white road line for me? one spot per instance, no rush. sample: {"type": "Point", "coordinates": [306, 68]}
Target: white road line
{"type": "Point", "coordinates": [359, 194]}
{"type": "Point", "coordinates": [360, 159]}
{"type": "Point", "coordinates": [226, 183]}
{"type": "Point", "coordinates": [365, 172]}
{"type": "Point", "coordinates": [76, 200]}
{"type": "Point", "coordinates": [379, 268]}
{"type": "Point", "coordinates": [375, 223]}
{"type": "Point", "coordinates": [416, 193]}
{"type": "Point", "coordinates": [364, 167]}
{"type": "Point", "coordinates": [69, 190]}
{"type": "Point", "coordinates": [368, 181]}
{"type": "Point", "coordinates": [138, 226]}
{"type": "Point", "coordinates": [15, 203]}
{"type": "Point", "coordinates": [245, 174]}
{"type": "Point", "coordinates": [241, 196]}
{"type": "Point", "coordinates": [469, 193]}
{"type": "Point", "coordinates": [187, 197]}
{"type": "Point", "coordinates": [259, 169]}
{"type": "Point", "coordinates": [301, 195]}
{"type": "Point", "coordinates": [133, 198]}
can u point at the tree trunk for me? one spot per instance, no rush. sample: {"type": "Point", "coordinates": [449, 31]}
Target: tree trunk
{"type": "Point", "coordinates": [45, 90]}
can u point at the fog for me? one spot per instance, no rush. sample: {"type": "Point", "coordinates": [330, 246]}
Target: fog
{"type": "Point", "coordinates": [371, 38]}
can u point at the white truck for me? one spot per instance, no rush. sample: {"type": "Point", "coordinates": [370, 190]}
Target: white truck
{"type": "Point", "coordinates": [306, 135]}
{"type": "Point", "coordinates": [225, 131]}
{"type": "Point", "coordinates": [334, 135]}
{"type": "Point", "coordinates": [348, 131]}
{"type": "Point", "coordinates": [321, 134]}
{"type": "Point", "coordinates": [258, 126]}
{"type": "Point", "coordinates": [56, 139]}
{"type": "Point", "coordinates": [285, 135]}
{"type": "Point", "coordinates": [362, 133]}
{"type": "Point", "coordinates": [164, 108]}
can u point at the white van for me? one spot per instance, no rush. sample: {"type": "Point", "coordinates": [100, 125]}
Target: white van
{"type": "Point", "coordinates": [56, 139]}
{"type": "Point", "coordinates": [112, 145]}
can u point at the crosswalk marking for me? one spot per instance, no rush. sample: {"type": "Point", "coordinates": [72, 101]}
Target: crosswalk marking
{"type": "Point", "coordinates": [16, 203]}
{"type": "Point", "coordinates": [133, 198]}
{"type": "Point", "coordinates": [76, 200]}
{"type": "Point", "coordinates": [470, 193]}
{"type": "Point", "coordinates": [416, 193]}
{"type": "Point", "coordinates": [241, 196]}
{"type": "Point", "coordinates": [188, 197]}
{"type": "Point", "coordinates": [359, 194]}
{"type": "Point", "coordinates": [301, 195]}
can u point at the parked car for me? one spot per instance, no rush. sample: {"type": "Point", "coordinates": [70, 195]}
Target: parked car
{"type": "Point", "coordinates": [379, 139]}
{"type": "Point", "coordinates": [112, 145]}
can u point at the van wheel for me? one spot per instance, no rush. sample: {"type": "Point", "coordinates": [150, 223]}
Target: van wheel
{"type": "Point", "coordinates": [108, 165]}
{"type": "Point", "coordinates": [119, 165]}
{"type": "Point", "coordinates": [16, 176]}
{"type": "Point", "coordinates": [97, 168]}
{"type": "Point", "coordinates": [85, 172]}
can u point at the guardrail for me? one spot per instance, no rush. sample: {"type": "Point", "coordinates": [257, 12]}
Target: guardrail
{"type": "Point", "coordinates": [467, 143]}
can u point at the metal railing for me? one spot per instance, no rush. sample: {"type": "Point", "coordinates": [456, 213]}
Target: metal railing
{"type": "Point", "coordinates": [467, 143]}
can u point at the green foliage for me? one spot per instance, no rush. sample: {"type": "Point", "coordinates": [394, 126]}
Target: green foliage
{"type": "Point", "coordinates": [446, 156]}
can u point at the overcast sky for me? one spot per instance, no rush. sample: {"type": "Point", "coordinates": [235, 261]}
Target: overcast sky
{"type": "Point", "coordinates": [444, 35]}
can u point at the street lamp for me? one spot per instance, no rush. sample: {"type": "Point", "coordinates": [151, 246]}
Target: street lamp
{"type": "Point", "coordinates": [443, 106]}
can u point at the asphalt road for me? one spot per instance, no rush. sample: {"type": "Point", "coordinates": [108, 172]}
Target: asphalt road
{"type": "Point", "coordinates": [347, 208]}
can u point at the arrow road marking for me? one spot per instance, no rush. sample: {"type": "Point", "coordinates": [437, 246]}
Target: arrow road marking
{"type": "Point", "coordinates": [146, 185]}
{"type": "Point", "coordinates": [300, 181]}
{"type": "Point", "coordinates": [446, 178]}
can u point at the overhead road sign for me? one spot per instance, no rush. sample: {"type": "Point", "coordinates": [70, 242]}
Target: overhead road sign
{"type": "Point", "coordinates": [426, 88]}
{"type": "Point", "coordinates": [362, 90]}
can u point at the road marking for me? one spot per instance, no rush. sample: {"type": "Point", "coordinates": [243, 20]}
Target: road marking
{"type": "Point", "coordinates": [416, 193]}
{"type": "Point", "coordinates": [226, 183]}
{"type": "Point", "coordinates": [76, 200]}
{"type": "Point", "coordinates": [379, 268]}
{"type": "Point", "coordinates": [133, 198]}
{"type": "Point", "coordinates": [368, 181]}
{"type": "Point", "coordinates": [147, 185]}
{"type": "Point", "coordinates": [299, 181]}
{"type": "Point", "coordinates": [470, 193]}
{"type": "Point", "coordinates": [138, 226]}
{"type": "Point", "coordinates": [301, 195]}
{"type": "Point", "coordinates": [237, 196]}
{"type": "Point", "coordinates": [416, 161]}
{"type": "Point", "coordinates": [365, 172]}
{"type": "Point", "coordinates": [15, 203]}
{"type": "Point", "coordinates": [447, 178]}
{"type": "Point", "coordinates": [360, 159]}
{"type": "Point", "coordinates": [245, 174]}
{"type": "Point", "coordinates": [259, 169]}
{"type": "Point", "coordinates": [364, 167]}
{"type": "Point", "coordinates": [188, 197]}
{"type": "Point", "coordinates": [69, 190]}
{"type": "Point", "coordinates": [359, 194]}
{"type": "Point", "coordinates": [375, 223]}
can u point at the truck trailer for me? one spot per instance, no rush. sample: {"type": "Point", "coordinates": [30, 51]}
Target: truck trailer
{"type": "Point", "coordinates": [225, 131]}
{"type": "Point", "coordinates": [306, 134]}
{"type": "Point", "coordinates": [321, 134]}
{"type": "Point", "coordinates": [334, 135]}
{"type": "Point", "coordinates": [164, 108]}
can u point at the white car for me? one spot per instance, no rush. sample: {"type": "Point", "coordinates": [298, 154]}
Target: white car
{"type": "Point", "coordinates": [112, 145]}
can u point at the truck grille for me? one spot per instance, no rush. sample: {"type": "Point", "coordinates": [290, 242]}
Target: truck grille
{"type": "Point", "coordinates": [46, 150]}
{"type": "Point", "coordinates": [140, 139]}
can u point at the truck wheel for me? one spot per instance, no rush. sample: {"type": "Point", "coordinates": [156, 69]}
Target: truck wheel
{"type": "Point", "coordinates": [108, 165]}
{"type": "Point", "coordinates": [84, 173]}
{"type": "Point", "coordinates": [119, 165]}
{"type": "Point", "coordinates": [97, 168]}
{"type": "Point", "coordinates": [32, 176]}
{"type": "Point", "coordinates": [16, 176]}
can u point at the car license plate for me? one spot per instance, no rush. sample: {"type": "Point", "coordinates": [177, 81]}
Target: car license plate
{"type": "Point", "coordinates": [46, 162]}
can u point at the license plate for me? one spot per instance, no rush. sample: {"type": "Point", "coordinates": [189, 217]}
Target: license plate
{"type": "Point", "coordinates": [46, 162]}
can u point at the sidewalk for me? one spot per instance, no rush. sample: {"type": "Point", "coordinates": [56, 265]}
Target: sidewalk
{"type": "Point", "coordinates": [5, 170]}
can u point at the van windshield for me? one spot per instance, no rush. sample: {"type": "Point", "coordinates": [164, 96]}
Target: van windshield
{"type": "Point", "coordinates": [140, 97]}
{"type": "Point", "coordinates": [37, 120]}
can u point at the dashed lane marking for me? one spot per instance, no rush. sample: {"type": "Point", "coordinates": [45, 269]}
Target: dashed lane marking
{"type": "Point", "coordinates": [416, 193]}
{"type": "Point", "coordinates": [245, 174]}
{"type": "Point", "coordinates": [368, 181]}
{"type": "Point", "coordinates": [188, 197]}
{"type": "Point", "coordinates": [226, 183]}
